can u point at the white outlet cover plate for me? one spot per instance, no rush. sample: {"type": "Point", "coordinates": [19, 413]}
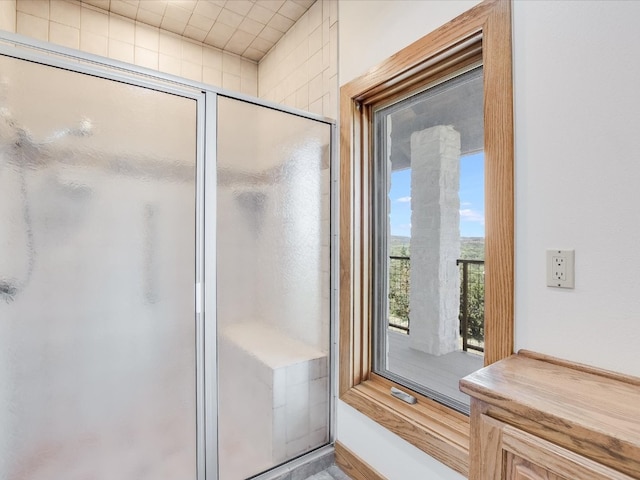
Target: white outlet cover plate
{"type": "Point", "coordinates": [567, 258]}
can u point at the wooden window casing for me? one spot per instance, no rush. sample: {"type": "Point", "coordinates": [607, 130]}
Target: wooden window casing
{"type": "Point", "coordinates": [482, 34]}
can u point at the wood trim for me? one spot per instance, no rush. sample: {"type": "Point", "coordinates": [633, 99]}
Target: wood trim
{"type": "Point", "coordinates": [489, 451]}
{"type": "Point", "coordinates": [620, 377]}
{"type": "Point", "coordinates": [560, 461]}
{"type": "Point", "coordinates": [437, 430]}
{"type": "Point", "coordinates": [594, 415]}
{"type": "Point", "coordinates": [353, 465]}
{"type": "Point", "coordinates": [499, 190]}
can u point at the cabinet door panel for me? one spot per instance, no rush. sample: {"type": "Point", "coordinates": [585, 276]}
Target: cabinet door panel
{"type": "Point", "coordinates": [528, 457]}
{"type": "Point", "coordinates": [521, 469]}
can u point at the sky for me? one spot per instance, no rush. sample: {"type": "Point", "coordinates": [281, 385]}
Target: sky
{"type": "Point", "coordinates": [471, 198]}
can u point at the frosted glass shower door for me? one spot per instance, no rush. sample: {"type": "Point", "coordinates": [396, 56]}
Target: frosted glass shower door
{"type": "Point", "coordinates": [97, 271]}
{"type": "Point", "coordinates": [273, 308]}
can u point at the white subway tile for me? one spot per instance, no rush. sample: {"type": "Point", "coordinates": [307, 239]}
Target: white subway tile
{"type": "Point", "coordinates": [297, 373]}
{"type": "Point", "coordinates": [333, 49]}
{"type": "Point", "coordinates": [316, 107]}
{"type": "Point", "coordinates": [191, 71]}
{"type": "Point", "coordinates": [229, 18]}
{"type": "Point", "coordinates": [302, 97]}
{"type": "Point", "coordinates": [291, 10]}
{"type": "Point", "coordinates": [31, 26]}
{"type": "Point", "coordinates": [230, 81]}
{"type": "Point", "coordinates": [146, 58]}
{"type": "Point", "coordinates": [93, 43]}
{"type": "Point", "coordinates": [122, 51]}
{"type": "Point", "coordinates": [279, 431]}
{"type": "Point", "coordinates": [318, 416]}
{"type": "Point", "coordinates": [122, 29]}
{"type": "Point", "coordinates": [8, 15]}
{"type": "Point", "coordinates": [297, 411]}
{"type": "Point", "coordinates": [170, 44]}
{"type": "Point", "coordinates": [231, 64]}
{"type": "Point", "coordinates": [37, 8]}
{"type": "Point", "coordinates": [315, 64]}
{"type": "Point", "coordinates": [148, 17]}
{"type": "Point", "coordinates": [212, 57]}
{"type": "Point", "coordinates": [94, 22]}
{"type": "Point", "coordinates": [279, 387]}
{"type": "Point", "coordinates": [195, 33]}
{"type": "Point", "coordinates": [297, 447]}
{"type": "Point", "coordinates": [318, 368]}
{"type": "Point", "coordinates": [66, 13]}
{"type": "Point", "coordinates": [315, 15]}
{"type": "Point", "coordinates": [191, 52]}
{"type": "Point", "coordinates": [207, 9]}
{"type": "Point", "coordinates": [318, 390]}
{"type": "Point", "coordinates": [212, 76]}
{"type": "Point", "coordinates": [173, 25]}
{"type": "Point", "coordinates": [157, 7]}
{"type": "Point", "coordinates": [318, 437]}
{"type": "Point", "coordinates": [260, 13]}
{"type": "Point", "coordinates": [123, 8]}
{"type": "Point", "coordinates": [241, 7]}
{"type": "Point", "coordinates": [333, 11]}
{"type": "Point", "coordinates": [176, 12]}
{"type": "Point", "coordinates": [249, 86]}
{"type": "Point", "coordinates": [147, 37]}
{"type": "Point", "coordinates": [64, 35]}
{"type": "Point", "coordinates": [315, 40]}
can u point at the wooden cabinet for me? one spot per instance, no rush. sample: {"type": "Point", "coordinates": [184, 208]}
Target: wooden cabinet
{"type": "Point", "coordinates": [539, 418]}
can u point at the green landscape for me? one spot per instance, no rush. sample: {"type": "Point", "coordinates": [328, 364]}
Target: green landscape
{"type": "Point", "coordinates": [471, 248]}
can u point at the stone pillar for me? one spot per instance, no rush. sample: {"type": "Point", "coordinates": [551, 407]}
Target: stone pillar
{"type": "Point", "coordinates": [434, 299]}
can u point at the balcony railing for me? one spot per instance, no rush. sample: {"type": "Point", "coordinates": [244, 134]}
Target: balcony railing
{"type": "Point", "coordinates": [471, 299]}
{"type": "Point", "coordinates": [472, 304]}
{"type": "Point", "coordinates": [399, 293]}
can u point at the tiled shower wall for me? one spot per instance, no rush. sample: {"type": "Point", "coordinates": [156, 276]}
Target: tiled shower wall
{"type": "Point", "coordinates": [301, 69]}
{"type": "Point", "coordinates": [76, 25]}
{"type": "Point", "coordinates": [8, 15]}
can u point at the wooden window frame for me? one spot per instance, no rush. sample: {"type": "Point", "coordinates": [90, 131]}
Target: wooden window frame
{"type": "Point", "coordinates": [483, 32]}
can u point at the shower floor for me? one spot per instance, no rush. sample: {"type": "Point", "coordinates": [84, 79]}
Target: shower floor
{"type": "Point", "coordinates": [331, 473]}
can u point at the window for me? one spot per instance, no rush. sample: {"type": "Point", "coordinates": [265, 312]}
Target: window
{"type": "Point", "coordinates": [421, 243]}
{"type": "Point", "coordinates": [463, 69]}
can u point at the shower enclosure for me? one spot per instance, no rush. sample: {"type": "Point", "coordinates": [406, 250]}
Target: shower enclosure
{"type": "Point", "coordinates": [164, 275]}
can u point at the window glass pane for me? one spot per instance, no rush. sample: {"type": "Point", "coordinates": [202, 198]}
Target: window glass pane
{"type": "Point", "coordinates": [428, 188]}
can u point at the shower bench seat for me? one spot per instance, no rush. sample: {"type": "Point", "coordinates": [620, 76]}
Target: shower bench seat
{"type": "Point", "coordinates": [277, 387]}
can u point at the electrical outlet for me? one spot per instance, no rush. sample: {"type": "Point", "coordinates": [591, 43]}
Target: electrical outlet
{"type": "Point", "coordinates": [560, 268]}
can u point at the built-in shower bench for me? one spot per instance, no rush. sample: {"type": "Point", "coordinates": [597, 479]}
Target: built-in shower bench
{"type": "Point", "coordinates": [279, 389]}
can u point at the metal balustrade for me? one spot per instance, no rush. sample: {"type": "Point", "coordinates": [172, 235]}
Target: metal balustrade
{"type": "Point", "coordinates": [471, 299]}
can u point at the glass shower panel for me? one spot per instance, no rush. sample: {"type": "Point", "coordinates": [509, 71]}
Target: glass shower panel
{"type": "Point", "coordinates": [273, 286]}
{"type": "Point", "coordinates": [97, 269]}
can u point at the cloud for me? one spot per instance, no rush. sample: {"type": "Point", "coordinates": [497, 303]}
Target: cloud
{"type": "Point", "coordinates": [403, 199]}
{"type": "Point", "coordinates": [469, 215]}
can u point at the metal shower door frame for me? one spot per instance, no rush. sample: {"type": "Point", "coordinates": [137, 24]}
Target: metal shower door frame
{"type": "Point", "coordinates": [65, 60]}
{"type": "Point", "coordinates": [25, 48]}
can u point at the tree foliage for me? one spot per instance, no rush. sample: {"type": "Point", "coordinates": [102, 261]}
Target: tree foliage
{"type": "Point", "coordinates": [399, 286]}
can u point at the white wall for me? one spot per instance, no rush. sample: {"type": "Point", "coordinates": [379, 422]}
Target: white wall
{"type": "Point", "coordinates": [576, 77]}
{"type": "Point", "coordinates": [577, 73]}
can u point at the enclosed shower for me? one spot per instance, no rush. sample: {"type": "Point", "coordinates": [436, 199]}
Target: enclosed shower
{"type": "Point", "coordinates": [165, 275]}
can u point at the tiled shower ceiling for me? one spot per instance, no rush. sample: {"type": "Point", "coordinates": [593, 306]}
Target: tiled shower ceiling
{"type": "Point", "coordinates": [245, 27]}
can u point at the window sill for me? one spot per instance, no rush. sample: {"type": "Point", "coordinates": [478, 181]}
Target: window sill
{"type": "Point", "coordinates": [436, 430]}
